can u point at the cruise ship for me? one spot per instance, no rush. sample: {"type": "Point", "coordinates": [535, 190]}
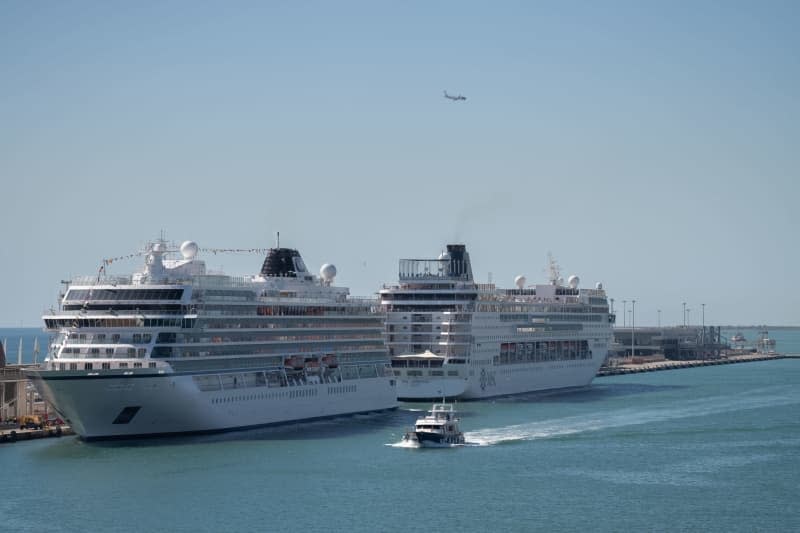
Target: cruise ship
{"type": "Point", "coordinates": [176, 349]}
{"type": "Point", "coordinates": [450, 337]}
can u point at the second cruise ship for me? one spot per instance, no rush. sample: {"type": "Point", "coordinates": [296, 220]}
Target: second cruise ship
{"type": "Point", "coordinates": [450, 337]}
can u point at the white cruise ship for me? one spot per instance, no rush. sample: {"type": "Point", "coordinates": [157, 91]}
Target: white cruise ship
{"type": "Point", "coordinates": [174, 349]}
{"type": "Point", "coordinates": [450, 337]}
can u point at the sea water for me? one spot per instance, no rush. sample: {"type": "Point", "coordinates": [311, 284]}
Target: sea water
{"type": "Point", "coordinates": [709, 448]}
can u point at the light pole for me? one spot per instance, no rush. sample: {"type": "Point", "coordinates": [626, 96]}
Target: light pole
{"type": "Point", "coordinates": [703, 306]}
{"type": "Point", "coordinates": [633, 326]}
{"type": "Point", "coordinates": [659, 318]}
{"type": "Point", "coordinates": [624, 312]}
{"type": "Point", "coordinates": [688, 317]}
{"type": "Point", "coordinates": [684, 314]}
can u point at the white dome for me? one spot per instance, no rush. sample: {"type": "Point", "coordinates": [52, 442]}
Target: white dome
{"type": "Point", "coordinates": [327, 272]}
{"type": "Point", "coordinates": [573, 281]}
{"type": "Point", "coordinates": [444, 256]}
{"type": "Point", "coordinates": [599, 286]}
{"type": "Point", "coordinates": [519, 281]}
{"type": "Point", "coordinates": [189, 249]}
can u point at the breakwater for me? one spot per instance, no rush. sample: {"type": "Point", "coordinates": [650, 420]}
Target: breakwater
{"type": "Point", "coordinates": [666, 364]}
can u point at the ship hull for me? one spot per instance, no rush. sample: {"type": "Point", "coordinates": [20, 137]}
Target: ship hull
{"type": "Point", "coordinates": [433, 389]}
{"type": "Point", "coordinates": [434, 440]}
{"type": "Point", "coordinates": [146, 405]}
{"type": "Point", "coordinates": [505, 380]}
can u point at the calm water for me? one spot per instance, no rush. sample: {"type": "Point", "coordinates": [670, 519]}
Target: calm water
{"type": "Point", "coordinates": [713, 448]}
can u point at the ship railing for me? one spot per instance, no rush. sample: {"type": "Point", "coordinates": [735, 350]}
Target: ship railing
{"type": "Point", "coordinates": [102, 280]}
{"type": "Point", "coordinates": [221, 281]}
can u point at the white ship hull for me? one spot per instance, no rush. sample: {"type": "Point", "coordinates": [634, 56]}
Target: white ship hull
{"type": "Point", "coordinates": [413, 389]}
{"type": "Point", "coordinates": [506, 380]}
{"type": "Point", "coordinates": [172, 404]}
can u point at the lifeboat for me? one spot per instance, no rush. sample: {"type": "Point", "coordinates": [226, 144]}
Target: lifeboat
{"type": "Point", "coordinates": [295, 362]}
{"type": "Point", "coordinates": [312, 365]}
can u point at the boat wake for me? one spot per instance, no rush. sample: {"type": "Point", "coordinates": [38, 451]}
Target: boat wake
{"type": "Point", "coordinates": [632, 416]}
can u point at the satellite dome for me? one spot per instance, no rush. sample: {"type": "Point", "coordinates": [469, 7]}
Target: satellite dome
{"type": "Point", "coordinates": [599, 286]}
{"type": "Point", "coordinates": [189, 249]}
{"type": "Point", "coordinates": [327, 272]}
{"type": "Point", "coordinates": [519, 281]}
{"type": "Point", "coordinates": [573, 281]}
{"type": "Point", "coordinates": [444, 256]}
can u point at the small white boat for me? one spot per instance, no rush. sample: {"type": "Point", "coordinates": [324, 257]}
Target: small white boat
{"type": "Point", "coordinates": [738, 338]}
{"type": "Point", "coordinates": [438, 429]}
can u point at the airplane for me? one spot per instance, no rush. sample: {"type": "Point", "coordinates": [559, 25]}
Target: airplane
{"type": "Point", "coordinates": [454, 98]}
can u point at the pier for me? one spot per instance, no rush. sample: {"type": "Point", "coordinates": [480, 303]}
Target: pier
{"type": "Point", "coordinates": [635, 365]}
{"type": "Point", "coordinates": [14, 434]}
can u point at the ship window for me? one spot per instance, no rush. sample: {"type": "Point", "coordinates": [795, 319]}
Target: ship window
{"type": "Point", "coordinates": [151, 365]}
{"type": "Point", "coordinates": [106, 366]}
{"type": "Point", "coordinates": [88, 366]}
{"type": "Point", "coordinates": [131, 352]}
{"type": "Point", "coordinates": [142, 352]}
{"type": "Point", "coordinates": [162, 351]}
{"type": "Point", "coordinates": [137, 365]}
{"type": "Point", "coordinates": [123, 365]}
{"type": "Point", "coordinates": [73, 366]}
{"type": "Point", "coordinates": [62, 366]}
{"type": "Point", "coordinates": [109, 351]}
{"type": "Point", "coordinates": [146, 337]}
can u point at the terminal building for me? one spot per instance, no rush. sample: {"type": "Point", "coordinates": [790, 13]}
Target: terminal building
{"type": "Point", "coordinates": [677, 343]}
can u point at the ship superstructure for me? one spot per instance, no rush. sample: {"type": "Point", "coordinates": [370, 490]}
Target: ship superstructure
{"type": "Point", "coordinates": [176, 349]}
{"type": "Point", "coordinates": [451, 337]}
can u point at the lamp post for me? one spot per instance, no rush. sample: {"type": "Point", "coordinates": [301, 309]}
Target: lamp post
{"type": "Point", "coordinates": [703, 306]}
{"type": "Point", "coordinates": [659, 318]}
{"type": "Point", "coordinates": [633, 326]}
{"type": "Point", "coordinates": [684, 314]}
{"type": "Point", "coordinates": [624, 312]}
{"type": "Point", "coordinates": [688, 317]}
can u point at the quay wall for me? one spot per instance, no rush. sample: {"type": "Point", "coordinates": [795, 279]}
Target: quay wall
{"type": "Point", "coordinates": [627, 367]}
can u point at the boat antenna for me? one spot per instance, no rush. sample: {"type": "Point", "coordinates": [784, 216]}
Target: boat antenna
{"type": "Point", "coordinates": [554, 270]}
{"type": "Point", "coordinates": [278, 239]}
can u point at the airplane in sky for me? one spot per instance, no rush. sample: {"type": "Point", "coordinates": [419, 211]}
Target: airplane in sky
{"type": "Point", "coordinates": [454, 98]}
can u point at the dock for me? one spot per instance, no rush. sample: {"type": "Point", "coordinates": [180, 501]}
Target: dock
{"type": "Point", "coordinates": [17, 434]}
{"type": "Point", "coordinates": [629, 367]}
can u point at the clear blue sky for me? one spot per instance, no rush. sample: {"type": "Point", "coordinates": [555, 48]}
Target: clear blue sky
{"type": "Point", "coordinates": [652, 146]}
